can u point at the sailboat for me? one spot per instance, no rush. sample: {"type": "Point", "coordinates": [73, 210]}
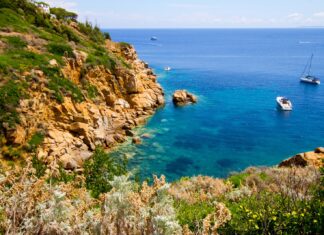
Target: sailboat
{"type": "Point", "coordinates": [307, 77]}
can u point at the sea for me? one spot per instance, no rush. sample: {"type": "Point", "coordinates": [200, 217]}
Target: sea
{"type": "Point", "coordinates": [237, 75]}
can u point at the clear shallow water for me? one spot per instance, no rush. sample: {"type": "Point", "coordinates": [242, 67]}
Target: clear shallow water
{"type": "Point", "coordinates": [236, 75]}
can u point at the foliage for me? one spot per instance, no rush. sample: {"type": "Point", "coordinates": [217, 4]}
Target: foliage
{"type": "Point", "coordinates": [62, 176]}
{"type": "Point", "coordinates": [100, 169]}
{"type": "Point", "coordinates": [93, 32]}
{"type": "Point", "coordinates": [36, 140]}
{"type": "Point", "coordinates": [39, 166]}
{"type": "Point", "coordinates": [10, 94]}
{"type": "Point", "coordinates": [16, 42]}
{"type": "Point", "coordinates": [101, 58]}
{"type": "Point", "coordinates": [92, 91]}
{"type": "Point", "coordinates": [63, 14]}
{"type": "Point", "coordinates": [269, 213]}
{"type": "Point", "coordinates": [238, 179]}
{"type": "Point", "coordinates": [64, 87]}
{"type": "Point", "coordinates": [193, 214]}
{"type": "Point", "coordinates": [60, 49]}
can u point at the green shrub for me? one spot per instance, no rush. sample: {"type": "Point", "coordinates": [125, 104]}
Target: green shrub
{"type": "Point", "coordinates": [92, 91]}
{"type": "Point", "coordinates": [39, 166]}
{"type": "Point", "coordinates": [16, 42]}
{"type": "Point", "coordinates": [64, 87]}
{"type": "Point", "coordinates": [63, 176]}
{"type": "Point", "coordinates": [63, 14]}
{"type": "Point", "coordinates": [100, 169]}
{"type": "Point", "coordinates": [124, 44]}
{"type": "Point", "coordinates": [101, 58]}
{"type": "Point", "coordinates": [36, 140]}
{"type": "Point", "coordinates": [93, 32]}
{"type": "Point", "coordinates": [10, 95]}
{"type": "Point", "coordinates": [60, 49]}
{"type": "Point", "coordinates": [270, 213]}
{"type": "Point", "coordinates": [193, 214]}
{"type": "Point", "coordinates": [238, 179]}
{"type": "Point", "coordinates": [107, 35]}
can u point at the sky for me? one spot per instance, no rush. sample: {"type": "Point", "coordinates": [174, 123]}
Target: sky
{"type": "Point", "coordinates": [197, 13]}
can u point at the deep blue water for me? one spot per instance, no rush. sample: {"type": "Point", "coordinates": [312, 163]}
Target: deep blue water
{"type": "Point", "coordinates": [236, 74]}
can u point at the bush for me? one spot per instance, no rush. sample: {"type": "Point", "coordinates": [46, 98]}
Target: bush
{"type": "Point", "coordinates": [93, 32]}
{"type": "Point", "coordinates": [269, 213]}
{"type": "Point", "coordinates": [64, 87]}
{"type": "Point", "coordinates": [39, 167]}
{"type": "Point", "coordinates": [16, 42]}
{"type": "Point", "coordinates": [193, 214]}
{"type": "Point", "coordinates": [60, 49]}
{"type": "Point", "coordinates": [35, 141]}
{"type": "Point", "coordinates": [238, 179]}
{"type": "Point", "coordinates": [100, 169]}
{"type": "Point", "coordinates": [63, 14]}
{"type": "Point", "coordinates": [10, 95]}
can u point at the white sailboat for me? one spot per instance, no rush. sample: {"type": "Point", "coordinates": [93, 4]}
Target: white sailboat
{"type": "Point", "coordinates": [307, 77]}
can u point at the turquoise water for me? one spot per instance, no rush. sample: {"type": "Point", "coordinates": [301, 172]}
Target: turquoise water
{"type": "Point", "coordinates": [236, 75]}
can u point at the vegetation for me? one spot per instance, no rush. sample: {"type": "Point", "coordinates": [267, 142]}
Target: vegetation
{"type": "Point", "coordinates": [60, 49]}
{"type": "Point", "coordinates": [36, 140]}
{"type": "Point", "coordinates": [63, 14]}
{"type": "Point", "coordinates": [100, 169]}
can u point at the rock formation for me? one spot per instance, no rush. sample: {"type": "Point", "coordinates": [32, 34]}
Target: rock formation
{"type": "Point", "coordinates": [182, 97]}
{"type": "Point", "coordinates": [314, 158]}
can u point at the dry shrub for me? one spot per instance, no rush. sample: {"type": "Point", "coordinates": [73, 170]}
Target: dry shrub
{"type": "Point", "coordinates": [214, 221]}
{"type": "Point", "coordinates": [32, 206]}
{"type": "Point", "coordinates": [200, 188]}
{"type": "Point", "coordinates": [129, 211]}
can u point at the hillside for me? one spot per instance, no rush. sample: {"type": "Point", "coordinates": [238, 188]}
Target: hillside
{"type": "Point", "coordinates": [68, 93]}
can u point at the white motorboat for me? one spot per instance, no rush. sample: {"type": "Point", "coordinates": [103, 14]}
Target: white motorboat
{"type": "Point", "coordinates": [167, 68]}
{"type": "Point", "coordinates": [284, 103]}
{"type": "Point", "coordinates": [307, 77]}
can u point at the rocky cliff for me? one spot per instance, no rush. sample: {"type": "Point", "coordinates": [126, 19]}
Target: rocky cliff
{"type": "Point", "coordinates": [81, 94]}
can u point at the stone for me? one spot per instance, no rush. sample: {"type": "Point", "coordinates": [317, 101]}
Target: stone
{"type": "Point", "coordinates": [319, 150]}
{"type": "Point", "coordinates": [314, 158]}
{"type": "Point", "coordinates": [130, 133]}
{"type": "Point", "coordinates": [146, 136]}
{"type": "Point", "coordinates": [137, 140]}
{"type": "Point", "coordinates": [53, 63]}
{"type": "Point", "coordinates": [183, 97]}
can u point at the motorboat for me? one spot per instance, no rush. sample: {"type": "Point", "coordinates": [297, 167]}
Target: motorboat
{"type": "Point", "coordinates": [154, 38]}
{"type": "Point", "coordinates": [284, 103]}
{"type": "Point", "coordinates": [167, 68]}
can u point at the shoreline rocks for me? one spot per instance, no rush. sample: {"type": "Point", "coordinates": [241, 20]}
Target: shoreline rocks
{"type": "Point", "coordinates": [314, 158]}
{"type": "Point", "coordinates": [183, 97]}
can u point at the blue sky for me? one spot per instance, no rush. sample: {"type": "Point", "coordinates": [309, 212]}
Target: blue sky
{"type": "Point", "coordinates": [197, 13]}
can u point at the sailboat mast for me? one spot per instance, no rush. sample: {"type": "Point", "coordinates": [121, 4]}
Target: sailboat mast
{"type": "Point", "coordinates": [310, 64]}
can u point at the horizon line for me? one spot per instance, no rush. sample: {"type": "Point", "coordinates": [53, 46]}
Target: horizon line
{"type": "Point", "coordinates": [202, 28]}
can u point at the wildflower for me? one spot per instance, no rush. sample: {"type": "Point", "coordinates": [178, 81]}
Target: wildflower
{"type": "Point", "coordinates": [254, 216]}
{"type": "Point", "coordinates": [315, 221]}
{"type": "Point", "coordinates": [274, 218]}
{"type": "Point", "coordinates": [256, 226]}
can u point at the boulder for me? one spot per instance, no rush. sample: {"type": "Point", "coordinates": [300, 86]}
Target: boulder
{"type": "Point", "coordinates": [136, 140]}
{"type": "Point", "coordinates": [314, 158]}
{"type": "Point", "coordinates": [53, 63]}
{"type": "Point", "coordinates": [183, 97]}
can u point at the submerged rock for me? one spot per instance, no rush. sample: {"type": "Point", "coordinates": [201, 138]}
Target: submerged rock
{"type": "Point", "coordinates": [183, 97]}
{"type": "Point", "coordinates": [137, 140]}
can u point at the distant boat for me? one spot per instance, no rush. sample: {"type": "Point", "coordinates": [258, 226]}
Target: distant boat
{"type": "Point", "coordinates": [154, 38]}
{"type": "Point", "coordinates": [307, 77]}
{"type": "Point", "coordinates": [284, 103]}
{"type": "Point", "coordinates": [167, 68]}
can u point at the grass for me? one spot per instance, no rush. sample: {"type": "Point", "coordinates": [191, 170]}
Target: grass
{"type": "Point", "coordinates": [16, 42]}
{"type": "Point", "coordinates": [36, 140]}
{"type": "Point", "coordinates": [10, 94]}
{"type": "Point", "coordinates": [64, 87]}
{"type": "Point", "coordinates": [9, 18]}
{"type": "Point", "coordinates": [193, 214]}
{"type": "Point", "coordinates": [60, 49]}
{"type": "Point", "coordinates": [238, 179]}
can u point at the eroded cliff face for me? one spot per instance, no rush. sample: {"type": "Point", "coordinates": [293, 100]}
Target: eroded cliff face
{"type": "Point", "coordinates": [124, 98]}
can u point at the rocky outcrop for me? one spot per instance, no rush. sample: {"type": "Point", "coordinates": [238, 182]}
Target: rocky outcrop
{"type": "Point", "coordinates": [183, 97]}
{"type": "Point", "coordinates": [126, 97]}
{"type": "Point", "coordinates": [314, 158]}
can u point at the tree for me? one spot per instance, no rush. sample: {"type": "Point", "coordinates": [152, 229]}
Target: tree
{"type": "Point", "coordinates": [63, 14]}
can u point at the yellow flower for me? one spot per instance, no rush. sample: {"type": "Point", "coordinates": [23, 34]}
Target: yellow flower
{"type": "Point", "coordinates": [302, 214]}
{"type": "Point", "coordinates": [274, 218]}
{"type": "Point", "coordinates": [256, 226]}
{"type": "Point", "coordinates": [315, 221]}
{"type": "Point", "coordinates": [254, 216]}
{"type": "Point", "coordinates": [294, 213]}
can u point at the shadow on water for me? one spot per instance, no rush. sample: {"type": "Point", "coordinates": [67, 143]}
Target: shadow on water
{"type": "Point", "coordinates": [226, 163]}
{"type": "Point", "coordinates": [179, 166]}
